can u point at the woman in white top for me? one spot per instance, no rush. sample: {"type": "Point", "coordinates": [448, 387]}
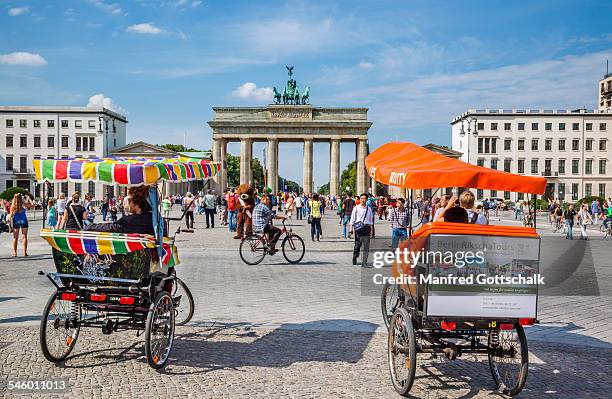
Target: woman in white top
{"type": "Point", "coordinates": [61, 208]}
{"type": "Point", "coordinates": [361, 223]}
{"type": "Point", "coordinates": [584, 218]}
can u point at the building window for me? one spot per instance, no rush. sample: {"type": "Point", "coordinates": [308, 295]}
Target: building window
{"type": "Point", "coordinates": [64, 124]}
{"type": "Point", "coordinates": [493, 193]}
{"type": "Point", "coordinates": [588, 189]}
{"type": "Point", "coordinates": [534, 166]}
{"type": "Point", "coordinates": [507, 195]}
{"type": "Point", "coordinates": [493, 126]}
{"type": "Point", "coordinates": [602, 166]}
{"type": "Point", "coordinates": [561, 144]}
{"type": "Point", "coordinates": [521, 144]}
{"type": "Point", "coordinates": [36, 122]}
{"type": "Point", "coordinates": [77, 187]}
{"type": "Point", "coordinates": [562, 166]}
{"type": "Point", "coordinates": [574, 191]}
{"type": "Point", "coordinates": [9, 123]}
{"type": "Point", "coordinates": [91, 124]}
{"type": "Point", "coordinates": [480, 145]}
{"type": "Point", "coordinates": [575, 166]}
{"type": "Point", "coordinates": [92, 144]}
{"type": "Point", "coordinates": [23, 141]}
{"type": "Point", "coordinates": [520, 196]}
{"type": "Point", "coordinates": [480, 126]}
{"type": "Point", "coordinates": [588, 145]}
{"type": "Point", "coordinates": [480, 162]}
{"type": "Point", "coordinates": [507, 126]}
{"type": "Point", "coordinates": [534, 144]}
{"type": "Point", "coordinates": [575, 126]}
{"type": "Point", "coordinates": [507, 144]}
{"type": "Point", "coordinates": [493, 146]}
{"type": "Point", "coordinates": [91, 188]}
{"type": "Point", "coordinates": [589, 127]}
{"type": "Point", "coordinates": [85, 143]}
{"type": "Point", "coordinates": [78, 144]}
{"type": "Point", "coordinates": [602, 127]}
{"type": "Point", "coordinates": [507, 165]}
{"type": "Point", "coordinates": [548, 167]}
{"type": "Point", "coordinates": [78, 124]}
{"type": "Point", "coordinates": [548, 145]}
{"type": "Point", "coordinates": [548, 126]}
{"type": "Point", "coordinates": [64, 141]}
{"type": "Point", "coordinates": [521, 166]}
{"type": "Point", "coordinates": [23, 163]}
{"type": "Point", "coordinates": [562, 126]}
{"type": "Point", "coordinates": [479, 194]}
{"type": "Point", "coordinates": [602, 190]}
{"type": "Point", "coordinates": [9, 163]}
{"type": "Point", "coordinates": [64, 187]}
{"type": "Point", "coordinates": [602, 145]}
{"type": "Point", "coordinates": [561, 192]}
{"type": "Point", "coordinates": [521, 126]}
{"type": "Point", "coordinates": [494, 164]}
{"type": "Point", "coordinates": [23, 123]}
{"type": "Point", "coordinates": [50, 123]}
{"type": "Point", "coordinates": [575, 144]}
{"type": "Point", "coordinates": [36, 141]}
{"type": "Point", "coordinates": [9, 141]}
{"type": "Point", "coordinates": [534, 126]}
{"type": "Point", "coordinates": [50, 141]}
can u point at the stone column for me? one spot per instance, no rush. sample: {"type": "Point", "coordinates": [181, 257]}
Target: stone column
{"type": "Point", "coordinates": [361, 175]}
{"type": "Point", "coordinates": [334, 171]}
{"type": "Point", "coordinates": [216, 155]}
{"type": "Point", "coordinates": [308, 166]}
{"type": "Point", "coordinates": [246, 154]}
{"type": "Point", "coordinates": [272, 164]}
{"type": "Point", "coordinates": [223, 159]}
{"type": "Point", "coordinates": [373, 186]}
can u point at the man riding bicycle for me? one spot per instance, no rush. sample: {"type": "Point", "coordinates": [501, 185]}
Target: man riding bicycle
{"type": "Point", "coordinates": [608, 218]}
{"type": "Point", "coordinates": [262, 222]}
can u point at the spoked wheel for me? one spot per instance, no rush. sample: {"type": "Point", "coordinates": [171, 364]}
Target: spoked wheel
{"type": "Point", "coordinates": [605, 232]}
{"type": "Point", "coordinates": [59, 328]}
{"type": "Point", "coordinates": [293, 248]}
{"type": "Point", "coordinates": [253, 249]}
{"type": "Point", "coordinates": [509, 359]}
{"type": "Point", "coordinates": [389, 301]}
{"type": "Point", "coordinates": [401, 349]}
{"type": "Point", "coordinates": [159, 332]}
{"type": "Point", "coordinates": [184, 311]}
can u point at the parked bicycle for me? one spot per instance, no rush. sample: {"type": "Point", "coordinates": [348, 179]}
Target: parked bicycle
{"type": "Point", "coordinates": [255, 247]}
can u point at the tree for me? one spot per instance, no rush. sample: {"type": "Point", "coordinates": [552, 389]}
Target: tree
{"type": "Point", "coordinates": [348, 178]}
{"type": "Point", "coordinates": [177, 148]}
{"type": "Point", "coordinates": [233, 172]}
{"type": "Point", "coordinates": [9, 193]}
{"type": "Point", "coordinates": [291, 186]}
{"type": "Point", "coordinates": [324, 189]}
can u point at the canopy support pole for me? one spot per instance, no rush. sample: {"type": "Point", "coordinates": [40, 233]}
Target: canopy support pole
{"type": "Point", "coordinates": [535, 210]}
{"type": "Point", "coordinates": [45, 201]}
{"type": "Point", "coordinates": [411, 213]}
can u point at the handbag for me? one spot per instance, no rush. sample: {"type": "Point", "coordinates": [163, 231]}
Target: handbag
{"type": "Point", "coordinates": [360, 224]}
{"type": "Point", "coordinates": [309, 220]}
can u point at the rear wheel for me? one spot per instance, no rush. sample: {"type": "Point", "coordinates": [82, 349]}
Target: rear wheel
{"type": "Point", "coordinates": [184, 311]}
{"type": "Point", "coordinates": [253, 249]}
{"type": "Point", "coordinates": [604, 231]}
{"type": "Point", "coordinates": [59, 328]}
{"type": "Point", "coordinates": [293, 248]}
{"type": "Point", "coordinates": [509, 359]}
{"type": "Point", "coordinates": [159, 332]}
{"type": "Point", "coordinates": [389, 301]}
{"type": "Point", "coordinates": [401, 350]}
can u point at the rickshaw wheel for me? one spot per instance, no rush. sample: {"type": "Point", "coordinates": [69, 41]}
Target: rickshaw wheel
{"type": "Point", "coordinates": [184, 312]}
{"type": "Point", "coordinates": [59, 328]}
{"type": "Point", "coordinates": [253, 249]}
{"type": "Point", "coordinates": [389, 301]}
{"type": "Point", "coordinates": [509, 369]}
{"type": "Point", "coordinates": [159, 332]}
{"type": "Point", "coordinates": [401, 350]}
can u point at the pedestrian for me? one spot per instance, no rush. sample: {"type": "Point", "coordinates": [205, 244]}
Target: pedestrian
{"type": "Point", "coordinates": [232, 210]}
{"type": "Point", "coordinates": [297, 202]}
{"type": "Point", "coordinates": [596, 210]}
{"type": "Point", "coordinates": [399, 222]}
{"type": "Point", "coordinates": [166, 204]}
{"type": "Point", "coordinates": [19, 221]}
{"type": "Point", "coordinates": [315, 217]}
{"type": "Point", "coordinates": [89, 208]}
{"type": "Point", "coordinates": [584, 218]}
{"type": "Point", "coordinates": [74, 214]}
{"type": "Point", "coordinates": [569, 215]}
{"type": "Point", "coordinates": [222, 201]}
{"type": "Point", "coordinates": [444, 201]}
{"type": "Point", "coordinates": [61, 207]}
{"type": "Point", "coordinates": [209, 209]}
{"type": "Point", "coordinates": [347, 210]}
{"type": "Point", "coordinates": [51, 214]}
{"type": "Point", "coordinates": [189, 206]}
{"type": "Point", "coordinates": [466, 201]}
{"type": "Point", "coordinates": [361, 222]}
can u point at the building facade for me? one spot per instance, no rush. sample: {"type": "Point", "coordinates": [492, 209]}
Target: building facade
{"type": "Point", "coordinates": [28, 133]}
{"type": "Point", "coordinates": [605, 93]}
{"type": "Point", "coordinates": [570, 148]}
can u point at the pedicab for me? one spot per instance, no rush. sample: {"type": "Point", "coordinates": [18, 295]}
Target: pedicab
{"type": "Point", "coordinates": [117, 281]}
{"type": "Point", "coordinates": [449, 304]}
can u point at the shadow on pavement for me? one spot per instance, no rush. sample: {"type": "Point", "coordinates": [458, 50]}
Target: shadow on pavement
{"type": "Point", "coordinates": [20, 319]}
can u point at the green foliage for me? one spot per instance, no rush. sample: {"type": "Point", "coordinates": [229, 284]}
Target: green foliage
{"type": "Point", "coordinates": [258, 174]}
{"type": "Point", "coordinates": [233, 170]}
{"type": "Point", "coordinates": [291, 186]}
{"type": "Point", "coordinates": [348, 178]}
{"type": "Point", "coordinates": [9, 193]}
{"type": "Point", "coordinates": [324, 189]}
{"type": "Point", "coordinates": [178, 148]}
{"type": "Point", "coordinates": [233, 174]}
{"type": "Point", "coordinates": [588, 200]}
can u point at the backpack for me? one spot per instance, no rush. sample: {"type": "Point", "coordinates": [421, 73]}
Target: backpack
{"type": "Point", "coordinates": [273, 200]}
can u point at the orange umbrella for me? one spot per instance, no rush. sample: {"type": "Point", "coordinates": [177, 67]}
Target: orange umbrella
{"type": "Point", "coordinates": [411, 166]}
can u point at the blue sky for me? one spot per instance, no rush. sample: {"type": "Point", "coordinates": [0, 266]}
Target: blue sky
{"type": "Point", "coordinates": [415, 64]}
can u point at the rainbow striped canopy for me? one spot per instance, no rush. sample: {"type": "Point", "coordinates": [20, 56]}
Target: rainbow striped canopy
{"type": "Point", "coordinates": [104, 243]}
{"type": "Point", "coordinates": [124, 171]}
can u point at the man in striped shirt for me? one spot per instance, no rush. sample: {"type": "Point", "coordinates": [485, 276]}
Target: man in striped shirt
{"type": "Point", "coordinates": [399, 222]}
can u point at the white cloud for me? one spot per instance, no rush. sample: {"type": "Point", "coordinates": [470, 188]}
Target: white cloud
{"type": "Point", "coordinates": [250, 91]}
{"type": "Point", "coordinates": [196, 3]}
{"type": "Point", "coordinates": [111, 8]}
{"type": "Point", "coordinates": [145, 29]}
{"type": "Point", "coordinates": [23, 58]}
{"type": "Point", "coordinates": [366, 65]}
{"type": "Point", "coordinates": [100, 100]}
{"type": "Point", "coordinates": [15, 11]}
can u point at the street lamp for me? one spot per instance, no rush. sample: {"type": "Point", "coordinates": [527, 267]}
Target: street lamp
{"type": "Point", "coordinates": [463, 132]}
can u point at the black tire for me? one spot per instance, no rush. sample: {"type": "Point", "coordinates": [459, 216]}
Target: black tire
{"type": "Point", "coordinates": [389, 301]}
{"type": "Point", "coordinates": [59, 328]}
{"type": "Point", "coordinates": [252, 249]}
{"type": "Point", "coordinates": [401, 345]}
{"type": "Point", "coordinates": [293, 248]}
{"type": "Point", "coordinates": [159, 332]}
{"type": "Point", "coordinates": [604, 232]}
{"type": "Point", "coordinates": [509, 378]}
{"type": "Point", "coordinates": [184, 312]}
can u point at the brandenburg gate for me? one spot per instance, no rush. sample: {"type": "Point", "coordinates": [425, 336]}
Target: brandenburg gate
{"type": "Point", "coordinates": [291, 119]}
